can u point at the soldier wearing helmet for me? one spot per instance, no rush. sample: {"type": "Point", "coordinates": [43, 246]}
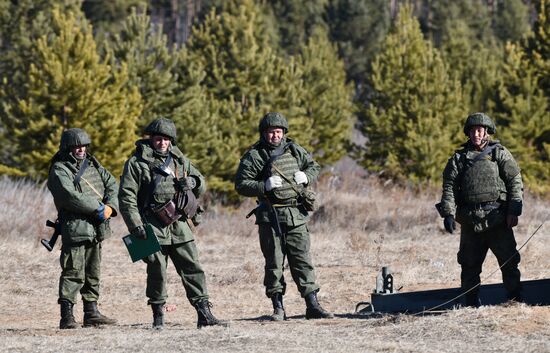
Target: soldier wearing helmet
{"type": "Point", "coordinates": [85, 195]}
{"type": "Point", "coordinates": [483, 191]}
{"type": "Point", "coordinates": [153, 180]}
{"type": "Point", "coordinates": [276, 171]}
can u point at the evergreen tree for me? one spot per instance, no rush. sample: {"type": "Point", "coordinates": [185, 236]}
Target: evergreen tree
{"type": "Point", "coordinates": [523, 107]}
{"type": "Point", "coordinates": [327, 99]}
{"type": "Point", "coordinates": [358, 27]}
{"type": "Point", "coordinates": [415, 116]}
{"type": "Point", "coordinates": [70, 86]}
{"type": "Point", "coordinates": [296, 21]}
{"type": "Point", "coordinates": [143, 48]}
{"type": "Point", "coordinates": [107, 16]}
{"type": "Point", "coordinates": [511, 21]}
{"type": "Point", "coordinates": [21, 23]}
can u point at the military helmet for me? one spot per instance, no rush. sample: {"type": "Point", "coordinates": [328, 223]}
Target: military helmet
{"type": "Point", "coordinates": [273, 120]}
{"type": "Point", "coordinates": [73, 137]}
{"type": "Point", "coordinates": [162, 126]}
{"type": "Point", "coordinates": [479, 119]}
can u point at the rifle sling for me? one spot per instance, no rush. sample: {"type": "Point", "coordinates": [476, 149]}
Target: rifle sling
{"type": "Point", "coordinates": [81, 171]}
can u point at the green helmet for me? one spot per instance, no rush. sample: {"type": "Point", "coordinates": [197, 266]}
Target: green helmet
{"type": "Point", "coordinates": [479, 119]}
{"type": "Point", "coordinates": [273, 120]}
{"type": "Point", "coordinates": [162, 126]}
{"type": "Point", "coordinates": [73, 137]}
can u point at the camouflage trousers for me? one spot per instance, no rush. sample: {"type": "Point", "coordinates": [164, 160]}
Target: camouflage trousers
{"type": "Point", "coordinates": [473, 250]}
{"type": "Point", "coordinates": [80, 271]}
{"type": "Point", "coordinates": [185, 258]}
{"type": "Point", "coordinates": [295, 245]}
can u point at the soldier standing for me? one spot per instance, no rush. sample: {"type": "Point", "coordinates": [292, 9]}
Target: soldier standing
{"type": "Point", "coordinates": [85, 195]}
{"type": "Point", "coordinates": [483, 190]}
{"type": "Point", "coordinates": [150, 181]}
{"type": "Point", "coordinates": [276, 170]}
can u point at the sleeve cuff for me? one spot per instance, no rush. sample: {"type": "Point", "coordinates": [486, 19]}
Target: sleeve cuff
{"type": "Point", "coordinates": [515, 208]}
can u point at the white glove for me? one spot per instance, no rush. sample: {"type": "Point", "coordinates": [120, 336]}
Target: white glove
{"type": "Point", "coordinates": [273, 182]}
{"type": "Point", "coordinates": [300, 177]}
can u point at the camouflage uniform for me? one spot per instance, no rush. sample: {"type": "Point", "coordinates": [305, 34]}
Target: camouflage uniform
{"type": "Point", "coordinates": [176, 240]}
{"type": "Point", "coordinates": [78, 205]}
{"type": "Point", "coordinates": [480, 194]}
{"type": "Point", "coordinates": [294, 242]}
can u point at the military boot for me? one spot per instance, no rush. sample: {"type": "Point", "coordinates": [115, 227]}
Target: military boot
{"type": "Point", "coordinates": [314, 310]}
{"type": "Point", "coordinates": [278, 308]}
{"type": "Point", "coordinates": [67, 318]}
{"type": "Point", "coordinates": [158, 316]}
{"type": "Point", "coordinates": [472, 299]}
{"type": "Point", "coordinates": [205, 316]}
{"type": "Point", "coordinates": [92, 316]}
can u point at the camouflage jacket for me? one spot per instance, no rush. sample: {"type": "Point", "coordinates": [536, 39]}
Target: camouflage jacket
{"type": "Point", "coordinates": [135, 187]}
{"type": "Point", "coordinates": [77, 203]}
{"type": "Point", "coordinates": [251, 176]}
{"type": "Point", "coordinates": [509, 179]}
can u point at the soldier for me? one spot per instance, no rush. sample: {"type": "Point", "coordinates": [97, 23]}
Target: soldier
{"type": "Point", "coordinates": [483, 189]}
{"type": "Point", "coordinates": [151, 178]}
{"type": "Point", "coordinates": [85, 195]}
{"type": "Point", "coordinates": [276, 171]}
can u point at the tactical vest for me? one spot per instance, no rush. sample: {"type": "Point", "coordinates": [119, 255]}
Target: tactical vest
{"type": "Point", "coordinates": [481, 181]}
{"type": "Point", "coordinates": [288, 165]}
{"type": "Point", "coordinates": [91, 180]}
{"type": "Point", "coordinates": [165, 189]}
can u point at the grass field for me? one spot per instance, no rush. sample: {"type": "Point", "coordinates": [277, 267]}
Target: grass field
{"type": "Point", "coordinates": [361, 226]}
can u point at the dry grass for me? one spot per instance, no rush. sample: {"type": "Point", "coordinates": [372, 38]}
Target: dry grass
{"type": "Point", "coordinates": [361, 226]}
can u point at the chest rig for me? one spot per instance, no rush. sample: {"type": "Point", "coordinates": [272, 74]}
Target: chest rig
{"type": "Point", "coordinates": [286, 164]}
{"type": "Point", "coordinates": [480, 181]}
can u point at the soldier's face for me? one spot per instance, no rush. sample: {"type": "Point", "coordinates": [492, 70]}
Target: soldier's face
{"type": "Point", "coordinates": [478, 136]}
{"type": "Point", "coordinates": [160, 143]}
{"type": "Point", "coordinates": [79, 152]}
{"type": "Point", "coordinates": [274, 135]}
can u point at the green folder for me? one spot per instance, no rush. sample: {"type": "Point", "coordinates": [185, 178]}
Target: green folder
{"type": "Point", "coordinates": [140, 248]}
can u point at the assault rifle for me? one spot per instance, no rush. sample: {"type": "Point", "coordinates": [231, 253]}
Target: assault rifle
{"type": "Point", "coordinates": [49, 244]}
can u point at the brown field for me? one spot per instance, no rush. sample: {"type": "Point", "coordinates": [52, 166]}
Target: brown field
{"type": "Point", "coordinates": [361, 226]}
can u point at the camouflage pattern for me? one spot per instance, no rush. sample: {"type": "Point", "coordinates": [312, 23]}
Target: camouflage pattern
{"type": "Point", "coordinates": [273, 120]}
{"type": "Point", "coordinates": [479, 119]}
{"type": "Point", "coordinates": [73, 137]}
{"type": "Point", "coordinates": [162, 126]}
{"type": "Point", "coordinates": [81, 271]}
{"type": "Point", "coordinates": [81, 230]}
{"type": "Point", "coordinates": [294, 242]}
{"type": "Point", "coordinates": [286, 165]}
{"type": "Point", "coordinates": [506, 175]}
{"type": "Point", "coordinates": [176, 239]}
{"type": "Point", "coordinates": [480, 197]}
{"type": "Point", "coordinates": [185, 258]}
{"type": "Point", "coordinates": [134, 187]}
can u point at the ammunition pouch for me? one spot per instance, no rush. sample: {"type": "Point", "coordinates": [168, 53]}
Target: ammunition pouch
{"type": "Point", "coordinates": [103, 230]}
{"type": "Point", "coordinates": [486, 215]}
{"type": "Point", "coordinates": [308, 199]}
{"type": "Point", "coordinates": [166, 213]}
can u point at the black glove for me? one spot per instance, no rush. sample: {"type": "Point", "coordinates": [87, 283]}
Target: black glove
{"type": "Point", "coordinates": [185, 184]}
{"type": "Point", "coordinates": [139, 232]}
{"type": "Point", "coordinates": [449, 224]}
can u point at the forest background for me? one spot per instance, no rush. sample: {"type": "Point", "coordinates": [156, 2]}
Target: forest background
{"type": "Point", "coordinates": [388, 83]}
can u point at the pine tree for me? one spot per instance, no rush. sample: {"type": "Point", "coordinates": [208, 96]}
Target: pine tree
{"type": "Point", "coordinates": [21, 23]}
{"type": "Point", "coordinates": [107, 16]}
{"type": "Point", "coordinates": [70, 86]}
{"type": "Point", "coordinates": [523, 107]}
{"type": "Point", "coordinates": [328, 99]}
{"type": "Point", "coordinates": [151, 66]}
{"type": "Point", "coordinates": [413, 121]}
{"type": "Point", "coordinates": [358, 27]}
{"type": "Point", "coordinates": [511, 21]}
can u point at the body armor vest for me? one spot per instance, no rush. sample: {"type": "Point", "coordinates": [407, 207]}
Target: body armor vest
{"type": "Point", "coordinates": [92, 177]}
{"type": "Point", "coordinates": [288, 165]}
{"type": "Point", "coordinates": [165, 189]}
{"type": "Point", "coordinates": [481, 181]}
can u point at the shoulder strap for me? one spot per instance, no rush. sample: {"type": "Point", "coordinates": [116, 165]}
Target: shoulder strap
{"type": "Point", "coordinates": [81, 171]}
{"type": "Point", "coordinates": [153, 185]}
